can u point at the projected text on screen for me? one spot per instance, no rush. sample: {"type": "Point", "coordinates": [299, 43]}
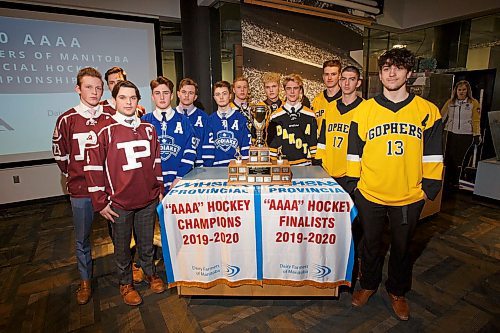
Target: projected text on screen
{"type": "Point", "coordinates": [39, 61]}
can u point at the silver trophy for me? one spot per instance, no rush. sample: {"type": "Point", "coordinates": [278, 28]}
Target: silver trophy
{"type": "Point", "coordinates": [259, 116]}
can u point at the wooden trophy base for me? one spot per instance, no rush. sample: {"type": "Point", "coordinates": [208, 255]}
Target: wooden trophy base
{"type": "Point", "coordinates": [259, 169]}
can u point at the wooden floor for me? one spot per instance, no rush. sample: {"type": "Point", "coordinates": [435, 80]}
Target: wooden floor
{"type": "Point", "coordinates": [456, 283]}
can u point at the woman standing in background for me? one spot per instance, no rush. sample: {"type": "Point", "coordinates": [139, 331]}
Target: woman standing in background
{"type": "Point", "coordinates": [461, 115]}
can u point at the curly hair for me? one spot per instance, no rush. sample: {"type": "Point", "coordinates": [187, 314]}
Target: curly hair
{"type": "Point", "coordinates": [397, 57]}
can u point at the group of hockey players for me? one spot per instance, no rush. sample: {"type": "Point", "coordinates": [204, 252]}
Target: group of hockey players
{"type": "Point", "coordinates": [119, 160]}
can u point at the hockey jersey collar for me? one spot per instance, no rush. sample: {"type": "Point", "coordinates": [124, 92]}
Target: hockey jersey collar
{"type": "Point", "coordinates": [228, 113]}
{"type": "Point", "coordinates": [394, 107]}
{"type": "Point", "coordinates": [157, 113]}
{"type": "Point", "coordinates": [334, 97]}
{"type": "Point", "coordinates": [120, 118]}
{"type": "Point", "coordinates": [287, 107]}
{"type": "Point", "coordinates": [190, 110]}
{"type": "Point", "coordinates": [343, 109]}
{"type": "Point", "coordinates": [242, 106]}
{"type": "Point", "coordinates": [83, 111]}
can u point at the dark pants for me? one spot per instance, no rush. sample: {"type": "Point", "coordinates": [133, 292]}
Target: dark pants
{"type": "Point", "coordinates": [133, 249]}
{"type": "Point", "coordinates": [142, 222]}
{"type": "Point", "coordinates": [342, 182]}
{"type": "Point", "coordinates": [456, 147]}
{"type": "Point", "coordinates": [402, 221]}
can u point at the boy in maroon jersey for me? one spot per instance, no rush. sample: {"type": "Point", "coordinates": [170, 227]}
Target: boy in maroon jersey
{"type": "Point", "coordinates": [75, 130]}
{"type": "Point", "coordinates": [124, 175]}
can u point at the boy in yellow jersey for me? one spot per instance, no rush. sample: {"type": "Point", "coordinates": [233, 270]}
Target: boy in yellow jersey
{"type": "Point", "coordinates": [334, 128]}
{"type": "Point", "coordinates": [394, 163]}
{"type": "Point", "coordinates": [324, 100]}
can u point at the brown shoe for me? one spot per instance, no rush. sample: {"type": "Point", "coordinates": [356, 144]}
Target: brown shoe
{"type": "Point", "coordinates": [137, 273]}
{"type": "Point", "coordinates": [155, 284]}
{"type": "Point", "coordinates": [400, 306]}
{"type": "Point", "coordinates": [360, 297]}
{"type": "Point", "coordinates": [84, 292]}
{"type": "Point", "coordinates": [130, 295]}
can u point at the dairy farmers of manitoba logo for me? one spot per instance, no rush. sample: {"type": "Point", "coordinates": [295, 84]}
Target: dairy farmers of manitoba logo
{"type": "Point", "coordinates": [321, 271]}
{"type": "Point", "coordinates": [231, 270]}
{"type": "Point", "coordinates": [168, 147]}
{"type": "Point", "coordinates": [225, 140]}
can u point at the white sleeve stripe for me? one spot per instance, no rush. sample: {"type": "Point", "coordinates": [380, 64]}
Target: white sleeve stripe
{"type": "Point", "coordinates": [208, 146]}
{"type": "Point", "coordinates": [190, 151]}
{"type": "Point", "coordinates": [222, 162]}
{"type": "Point", "coordinates": [165, 173]}
{"type": "Point", "coordinates": [432, 158]}
{"type": "Point", "coordinates": [96, 189]}
{"type": "Point", "coordinates": [61, 158]}
{"type": "Point", "coordinates": [208, 156]}
{"type": "Point", "coordinates": [245, 148]}
{"type": "Point", "coordinates": [93, 168]}
{"type": "Point", "coordinates": [321, 146]}
{"type": "Point", "coordinates": [199, 161]}
{"type": "Point", "coordinates": [187, 161]}
{"type": "Point", "coordinates": [353, 158]}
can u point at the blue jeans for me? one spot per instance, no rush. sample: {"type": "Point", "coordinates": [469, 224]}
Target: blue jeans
{"type": "Point", "coordinates": [83, 214]}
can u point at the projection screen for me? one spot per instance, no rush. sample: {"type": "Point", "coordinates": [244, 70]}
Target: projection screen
{"type": "Point", "coordinates": [40, 55]}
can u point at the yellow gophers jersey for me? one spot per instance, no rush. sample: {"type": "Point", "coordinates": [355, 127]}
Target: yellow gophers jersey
{"type": "Point", "coordinates": [332, 140]}
{"type": "Point", "coordinates": [321, 103]}
{"type": "Point", "coordinates": [395, 150]}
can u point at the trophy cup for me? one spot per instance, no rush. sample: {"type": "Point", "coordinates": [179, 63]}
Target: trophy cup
{"type": "Point", "coordinates": [260, 115]}
{"type": "Point", "coordinates": [259, 168]}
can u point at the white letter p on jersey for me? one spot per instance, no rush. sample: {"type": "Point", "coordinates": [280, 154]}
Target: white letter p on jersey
{"type": "Point", "coordinates": [132, 155]}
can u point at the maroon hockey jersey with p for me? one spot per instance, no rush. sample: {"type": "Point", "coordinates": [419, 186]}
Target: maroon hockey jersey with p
{"type": "Point", "coordinates": [124, 167]}
{"type": "Point", "coordinates": [75, 130]}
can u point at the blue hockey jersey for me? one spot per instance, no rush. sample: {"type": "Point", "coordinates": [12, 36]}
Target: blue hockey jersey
{"type": "Point", "coordinates": [230, 131]}
{"type": "Point", "coordinates": [199, 120]}
{"type": "Point", "coordinates": [177, 144]}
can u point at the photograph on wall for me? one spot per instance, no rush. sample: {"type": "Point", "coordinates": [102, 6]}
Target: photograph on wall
{"type": "Point", "coordinates": [286, 42]}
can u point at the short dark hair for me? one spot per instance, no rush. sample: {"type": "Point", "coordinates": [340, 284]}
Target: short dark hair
{"type": "Point", "coordinates": [162, 80]}
{"type": "Point", "coordinates": [125, 84]}
{"type": "Point", "coordinates": [87, 71]}
{"type": "Point", "coordinates": [400, 57]}
{"type": "Point", "coordinates": [115, 70]}
{"type": "Point", "coordinates": [221, 84]}
{"type": "Point", "coordinates": [188, 82]}
{"type": "Point", "coordinates": [333, 63]}
{"type": "Point", "coordinates": [352, 69]}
